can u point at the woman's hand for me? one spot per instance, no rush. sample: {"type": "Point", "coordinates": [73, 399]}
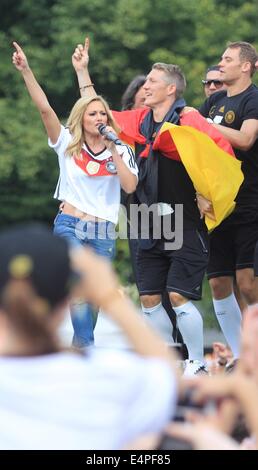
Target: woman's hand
{"type": "Point", "coordinates": [19, 58]}
{"type": "Point", "coordinates": [80, 57]}
{"type": "Point", "coordinates": [109, 143]}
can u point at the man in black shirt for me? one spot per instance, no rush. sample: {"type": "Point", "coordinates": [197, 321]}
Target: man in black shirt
{"type": "Point", "coordinates": [234, 113]}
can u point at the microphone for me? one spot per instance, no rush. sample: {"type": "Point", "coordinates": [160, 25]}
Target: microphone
{"type": "Point", "coordinates": [109, 135]}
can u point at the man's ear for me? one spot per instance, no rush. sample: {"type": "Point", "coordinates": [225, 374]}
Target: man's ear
{"type": "Point", "coordinates": [246, 66]}
{"type": "Point", "coordinates": [171, 89]}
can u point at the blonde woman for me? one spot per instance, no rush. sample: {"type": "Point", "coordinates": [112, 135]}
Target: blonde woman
{"type": "Point", "coordinates": [92, 172]}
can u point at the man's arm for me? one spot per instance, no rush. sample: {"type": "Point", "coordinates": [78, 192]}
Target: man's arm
{"type": "Point", "coordinates": [242, 139]}
{"type": "Point", "coordinates": [80, 61]}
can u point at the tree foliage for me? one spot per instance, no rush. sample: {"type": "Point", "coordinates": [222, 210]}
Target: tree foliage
{"type": "Point", "coordinates": [127, 36]}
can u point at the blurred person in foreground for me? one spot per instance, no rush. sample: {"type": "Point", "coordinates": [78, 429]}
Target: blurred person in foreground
{"type": "Point", "coordinates": [223, 411]}
{"type": "Point", "coordinates": [235, 396]}
{"type": "Point", "coordinates": [54, 398]}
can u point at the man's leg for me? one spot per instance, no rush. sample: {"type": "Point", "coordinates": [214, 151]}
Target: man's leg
{"type": "Point", "coordinates": [184, 283]}
{"type": "Point", "coordinates": [248, 285]}
{"type": "Point", "coordinates": [239, 297]}
{"type": "Point", "coordinates": [233, 250]}
{"type": "Point", "coordinates": [152, 268]}
{"type": "Point", "coordinates": [190, 324]}
{"type": "Point", "coordinates": [227, 311]}
{"type": "Point", "coordinates": [246, 240]}
{"type": "Point", "coordinates": [157, 317]}
{"type": "Point", "coordinates": [161, 323]}
{"type": "Point", "coordinates": [221, 272]}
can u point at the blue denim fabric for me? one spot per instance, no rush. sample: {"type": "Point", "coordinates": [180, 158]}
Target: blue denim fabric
{"type": "Point", "coordinates": [100, 237]}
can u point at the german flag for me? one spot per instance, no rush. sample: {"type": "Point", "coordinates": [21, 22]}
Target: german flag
{"type": "Point", "coordinates": [207, 156]}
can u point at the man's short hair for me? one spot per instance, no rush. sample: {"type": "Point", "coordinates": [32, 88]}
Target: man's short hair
{"type": "Point", "coordinates": [211, 68]}
{"type": "Point", "coordinates": [174, 75]}
{"type": "Point", "coordinates": [247, 53]}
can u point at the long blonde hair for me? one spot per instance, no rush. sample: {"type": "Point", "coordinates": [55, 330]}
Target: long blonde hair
{"type": "Point", "coordinates": [75, 123]}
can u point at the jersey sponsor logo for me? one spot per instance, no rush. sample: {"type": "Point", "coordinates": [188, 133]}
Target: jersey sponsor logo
{"type": "Point", "coordinates": [230, 117]}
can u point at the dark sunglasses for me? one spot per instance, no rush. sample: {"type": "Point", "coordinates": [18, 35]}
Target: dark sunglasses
{"type": "Point", "coordinates": [217, 83]}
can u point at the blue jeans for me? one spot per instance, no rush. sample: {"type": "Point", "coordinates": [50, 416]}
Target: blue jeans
{"type": "Point", "coordinates": [100, 237]}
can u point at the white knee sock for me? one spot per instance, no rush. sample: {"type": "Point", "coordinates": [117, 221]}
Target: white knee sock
{"type": "Point", "coordinates": [190, 324]}
{"type": "Point", "coordinates": [229, 317]}
{"type": "Point", "coordinates": [158, 318]}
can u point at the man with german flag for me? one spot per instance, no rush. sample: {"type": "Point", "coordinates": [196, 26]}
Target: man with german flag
{"type": "Point", "coordinates": [179, 155]}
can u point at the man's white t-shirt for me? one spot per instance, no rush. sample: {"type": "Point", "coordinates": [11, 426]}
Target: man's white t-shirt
{"type": "Point", "coordinates": [95, 195]}
{"type": "Point", "coordinates": [67, 401]}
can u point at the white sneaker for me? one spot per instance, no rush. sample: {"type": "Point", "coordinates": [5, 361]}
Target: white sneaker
{"type": "Point", "coordinates": [194, 368]}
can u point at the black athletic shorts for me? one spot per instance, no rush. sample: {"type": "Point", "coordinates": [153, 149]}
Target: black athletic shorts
{"type": "Point", "coordinates": [179, 271]}
{"type": "Point", "coordinates": [232, 249]}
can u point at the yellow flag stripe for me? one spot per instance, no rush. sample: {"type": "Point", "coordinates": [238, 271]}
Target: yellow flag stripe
{"type": "Point", "coordinates": [214, 173]}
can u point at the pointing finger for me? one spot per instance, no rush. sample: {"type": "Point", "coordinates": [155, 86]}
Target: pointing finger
{"type": "Point", "coordinates": [17, 47]}
{"type": "Point", "coordinates": [87, 43]}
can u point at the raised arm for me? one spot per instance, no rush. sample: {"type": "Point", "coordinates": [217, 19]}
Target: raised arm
{"type": "Point", "coordinates": [80, 61]}
{"type": "Point", "coordinates": [48, 115]}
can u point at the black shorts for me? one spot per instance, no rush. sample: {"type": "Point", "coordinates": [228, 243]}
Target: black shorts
{"type": "Point", "coordinates": [232, 249]}
{"type": "Point", "coordinates": [179, 271]}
